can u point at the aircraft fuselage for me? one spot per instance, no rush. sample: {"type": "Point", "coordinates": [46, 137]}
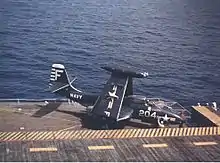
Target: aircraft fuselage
{"type": "Point", "coordinates": [148, 114]}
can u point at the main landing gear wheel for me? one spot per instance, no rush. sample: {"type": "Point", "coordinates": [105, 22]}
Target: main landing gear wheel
{"type": "Point", "coordinates": [160, 122]}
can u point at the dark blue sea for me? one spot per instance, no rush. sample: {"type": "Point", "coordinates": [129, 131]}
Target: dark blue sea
{"type": "Point", "coordinates": [176, 41]}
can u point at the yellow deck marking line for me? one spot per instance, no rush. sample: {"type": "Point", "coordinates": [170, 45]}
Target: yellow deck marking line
{"type": "Point", "coordinates": [137, 133]}
{"type": "Point", "coordinates": [199, 131]}
{"type": "Point", "coordinates": [41, 135]}
{"type": "Point", "coordinates": [163, 132]}
{"type": "Point", "coordinates": [61, 136]}
{"type": "Point", "coordinates": [181, 132]}
{"type": "Point", "coordinates": [205, 143]}
{"type": "Point", "coordinates": [73, 135]}
{"type": "Point", "coordinates": [145, 132]}
{"type": "Point", "coordinates": [133, 133]}
{"type": "Point", "coordinates": [116, 134]}
{"type": "Point", "coordinates": [168, 132]}
{"type": "Point", "coordinates": [23, 137]}
{"type": "Point", "coordinates": [101, 147]}
{"type": "Point", "coordinates": [173, 131]}
{"type": "Point", "coordinates": [106, 134]}
{"type": "Point", "coordinates": [214, 130]}
{"type": "Point", "coordinates": [68, 135]}
{"type": "Point", "coordinates": [160, 133]}
{"type": "Point", "coordinates": [37, 136]}
{"type": "Point", "coordinates": [4, 134]}
{"type": "Point", "coordinates": [51, 136]}
{"type": "Point", "coordinates": [101, 134]}
{"type": "Point", "coordinates": [188, 130]}
{"type": "Point", "coordinates": [124, 133]}
{"type": "Point", "coordinates": [196, 131]}
{"type": "Point", "coordinates": [177, 132]}
{"type": "Point", "coordinates": [43, 149]}
{"type": "Point", "coordinates": [156, 132]}
{"type": "Point", "coordinates": [48, 135]}
{"type": "Point", "coordinates": [33, 135]}
{"type": "Point", "coordinates": [192, 131]}
{"type": "Point", "coordinates": [95, 134]}
{"type": "Point", "coordinates": [155, 145]}
{"type": "Point", "coordinates": [119, 135]}
{"type": "Point", "coordinates": [7, 134]}
{"type": "Point", "coordinates": [86, 133]}
{"type": "Point", "coordinates": [29, 135]}
{"type": "Point", "coordinates": [152, 133]}
{"type": "Point", "coordinates": [44, 135]}
{"type": "Point", "coordinates": [128, 133]}
{"type": "Point", "coordinates": [111, 133]}
{"type": "Point", "coordinates": [184, 131]}
{"type": "Point", "coordinates": [207, 131]}
{"type": "Point", "coordinates": [57, 133]}
{"type": "Point", "coordinates": [203, 130]}
{"type": "Point", "coordinates": [14, 136]}
{"type": "Point", "coordinates": [149, 132]}
{"type": "Point", "coordinates": [141, 133]}
{"type": "Point", "coordinates": [210, 129]}
{"type": "Point", "coordinates": [91, 134]}
{"type": "Point", "coordinates": [78, 135]}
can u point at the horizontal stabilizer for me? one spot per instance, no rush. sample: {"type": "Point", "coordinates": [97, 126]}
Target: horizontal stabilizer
{"type": "Point", "coordinates": [59, 79]}
{"type": "Point", "coordinates": [125, 72]}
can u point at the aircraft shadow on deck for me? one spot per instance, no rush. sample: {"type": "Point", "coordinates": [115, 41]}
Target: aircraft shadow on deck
{"type": "Point", "coordinates": [89, 123]}
{"type": "Point", "coordinates": [85, 119]}
{"type": "Point", "coordinates": [46, 109]}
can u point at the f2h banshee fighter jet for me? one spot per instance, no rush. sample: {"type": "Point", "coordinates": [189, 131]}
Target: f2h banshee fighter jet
{"type": "Point", "coordinates": [117, 104]}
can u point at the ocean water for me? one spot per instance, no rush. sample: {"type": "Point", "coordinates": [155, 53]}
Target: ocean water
{"type": "Point", "coordinates": [176, 41]}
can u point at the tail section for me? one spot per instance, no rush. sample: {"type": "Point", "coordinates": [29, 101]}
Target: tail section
{"type": "Point", "coordinates": [59, 79]}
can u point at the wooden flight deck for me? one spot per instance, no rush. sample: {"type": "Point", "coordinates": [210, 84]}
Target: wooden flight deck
{"type": "Point", "coordinates": [27, 133]}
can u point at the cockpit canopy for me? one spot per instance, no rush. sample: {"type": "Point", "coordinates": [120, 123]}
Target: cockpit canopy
{"type": "Point", "coordinates": [138, 99]}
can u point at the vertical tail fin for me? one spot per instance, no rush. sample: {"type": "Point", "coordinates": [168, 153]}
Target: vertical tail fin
{"type": "Point", "coordinates": [58, 74]}
{"type": "Point", "coordinates": [59, 79]}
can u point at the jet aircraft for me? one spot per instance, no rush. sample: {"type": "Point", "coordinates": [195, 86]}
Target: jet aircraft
{"type": "Point", "coordinates": [116, 104]}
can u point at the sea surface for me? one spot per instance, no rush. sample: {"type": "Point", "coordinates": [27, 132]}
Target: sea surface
{"type": "Point", "coordinates": [176, 41]}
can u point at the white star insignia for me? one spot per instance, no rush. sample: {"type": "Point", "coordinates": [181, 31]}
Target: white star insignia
{"type": "Point", "coordinates": [165, 118]}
